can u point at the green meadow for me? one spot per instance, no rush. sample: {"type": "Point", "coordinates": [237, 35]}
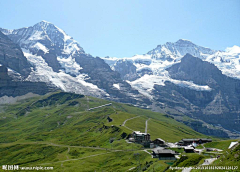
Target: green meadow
{"type": "Point", "coordinates": [58, 130]}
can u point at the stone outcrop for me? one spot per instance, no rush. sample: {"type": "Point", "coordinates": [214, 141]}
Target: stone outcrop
{"type": "Point", "coordinates": [8, 87]}
{"type": "Point", "coordinates": [11, 56]}
{"type": "Point", "coordinates": [126, 69]}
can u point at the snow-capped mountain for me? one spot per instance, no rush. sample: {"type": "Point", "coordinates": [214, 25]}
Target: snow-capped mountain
{"type": "Point", "coordinates": [59, 60]}
{"type": "Point", "coordinates": [44, 36]}
{"type": "Point", "coordinates": [184, 78]}
{"type": "Point", "coordinates": [172, 51]}
{"type": "Point", "coordinates": [172, 78]}
{"type": "Point", "coordinates": [49, 49]}
{"type": "Point", "coordinates": [150, 68]}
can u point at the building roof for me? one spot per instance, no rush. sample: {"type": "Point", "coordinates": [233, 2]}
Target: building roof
{"type": "Point", "coordinates": [160, 139]}
{"type": "Point", "coordinates": [163, 151]}
{"type": "Point", "coordinates": [189, 148]}
{"type": "Point", "coordinates": [132, 139]}
{"type": "Point", "coordinates": [232, 144]}
{"type": "Point", "coordinates": [192, 140]}
{"type": "Point", "coordinates": [140, 133]}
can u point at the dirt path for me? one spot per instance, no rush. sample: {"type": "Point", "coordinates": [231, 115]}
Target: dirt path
{"type": "Point", "coordinates": [68, 152]}
{"type": "Point", "coordinates": [146, 125]}
{"type": "Point", "coordinates": [123, 124]}
{"type": "Point", "coordinates": [128, 120]}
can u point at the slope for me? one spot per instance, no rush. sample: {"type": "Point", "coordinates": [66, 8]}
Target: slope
{"type": "Point", "coordinates": [61, 122]}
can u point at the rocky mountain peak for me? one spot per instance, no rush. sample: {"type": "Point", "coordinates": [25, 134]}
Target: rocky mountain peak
{"type": "Point", "coordinates": [194, 69]}
{"type": "Point", "coordinates": [171, 51]}
{"type": "Point", "coordinates": [184, 42]}
{"type": "Point", "coordinates": [43, 25]}
{"type": "Point", "coordinates": [44, 36]}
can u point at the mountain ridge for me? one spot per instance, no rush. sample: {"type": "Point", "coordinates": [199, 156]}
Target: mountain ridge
{"type": "Point", "coordinates": [58, 60]}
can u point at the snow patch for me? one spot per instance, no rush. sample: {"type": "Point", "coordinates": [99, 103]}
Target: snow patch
{"type": "Point", "coordinates": [38, 35]}
{"type": "Point", "coordinates": [70, 65]}
{"type": "Point", "coordinates": [40, 46]}
{"type": "Point", "coordinates": [66, 82]}
{"type": "Point", "coordinates": [117, 86]}
{"type": "Point", "coordinates": [146, 83]}
{"type": "Point", "coordinates": [233, 50]}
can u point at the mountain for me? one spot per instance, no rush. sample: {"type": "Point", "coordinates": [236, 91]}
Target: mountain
{"type": "Point", "coordinates": [152, 65]}
{"type": "Point", "coordinates": [194, 84]}
{"type": "Point", "coordinates": [203, 87]}
{"type": "Point", "coordinates": [217, 106]}
{"type": "Point", "coordinates": [59, 60]}
{"type": "Point", "coordinates": [10, 88]}
{"type": "Point", "coordinates": [46, 40]}
{"type": "Point", "coordinates": [14, 68]}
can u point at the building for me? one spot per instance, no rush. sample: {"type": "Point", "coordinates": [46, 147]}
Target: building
{"type": "Point", "coordinates": [163, 154]}
{"type": "Point", "coordinates": [141, 138]}
{"type": "Point", "coordinates": [158, 142]}
{"type": "Point", "coordinates": [189, 149]}
{"type": "Point", "coordinates": [186, 142]}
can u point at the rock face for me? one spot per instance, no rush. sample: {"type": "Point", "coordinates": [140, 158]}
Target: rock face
{"type": "Point", "coordinates": [11, 56]}
{"type": "Point", "coordinates": [126, 69]}
{"type": "Point", "coordinates": [218, 106]}
{"type": "Point", "coordinates": [18, 88]}
{"type": "Point", "coordinates": [4, 74]}
{"type": "Point", "coordinates": [104, 77]}
{"type": "Point", "coordinates": [46, 40]}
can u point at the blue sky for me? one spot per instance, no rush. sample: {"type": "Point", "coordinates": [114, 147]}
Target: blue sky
{"type": "Point", "coordinates": [123, 28]}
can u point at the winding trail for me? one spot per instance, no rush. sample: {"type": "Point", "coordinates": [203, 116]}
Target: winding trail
{"type": "Point", "coordinates": [112, 151]}
{"type": "Point", "coordinates": [146, 125]}
{"type": "Point", "coordinates": [69, 147]}
{"type": "Point", "coordinates": [128, 120]}
{"type": "Point", "coordinates": [68, 152]}
{"type": "Point", "coordinates": [124, 122]}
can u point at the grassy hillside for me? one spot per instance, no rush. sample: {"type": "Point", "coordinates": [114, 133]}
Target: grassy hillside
{"type": "Point", "coordinates": [58, 129]}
